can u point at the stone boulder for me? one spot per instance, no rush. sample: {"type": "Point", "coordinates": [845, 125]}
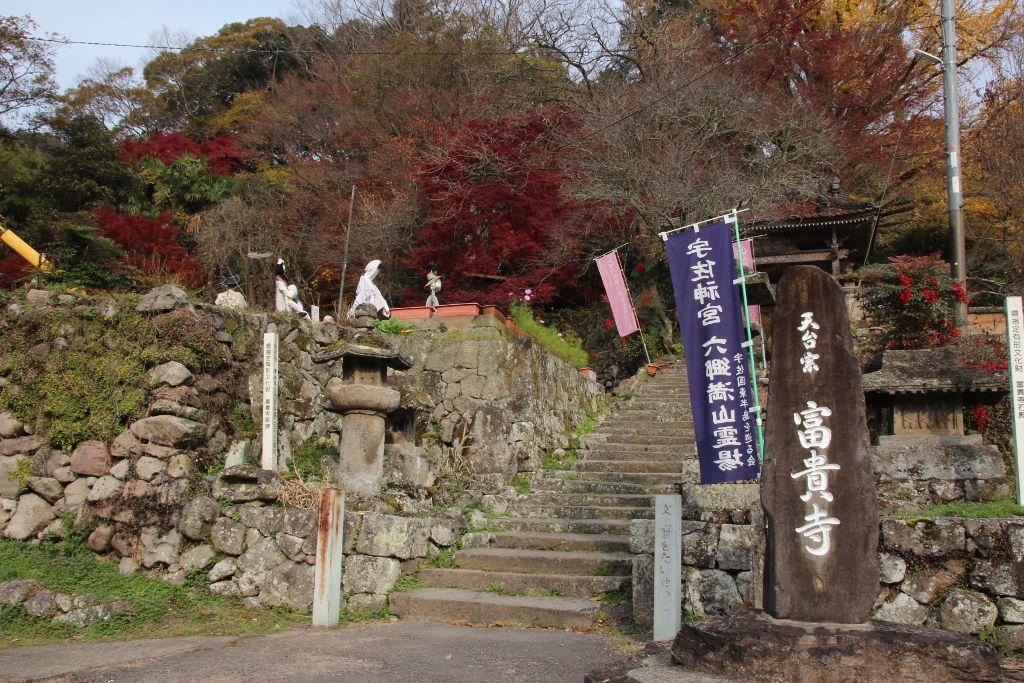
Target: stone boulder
{"type": "Point", "coordinates": [11, 486]}
{"type": "Point", "coordinates": [31, 516]}
{"type": "Point", "coordinates": [197, 558]}
{"type": "Point", "coordinates": [159, 548]}
{"type": "Point", "coordinates": [10, 426]}
{"type": "Point", "coordinates": [290, 585]}
{"type": "Point", "coordinates": [753, 647]}
{"type": "Point", "coordinates": [228, 536]}
{"type": "Point", "coordinates": [365, 574]}
{"type": "Point", "coordinates": [47, 487]}
{"type": "Point", "coordinates": [489, 450]}
{"type": "Point", "coordinates": [15, 592]}
{"type": "Point", "coordinates": [171, 431]}
{"type": "Point", "coordinates": [245, 484]}
{"type": "Point", "coordinates": [172, 374]}
{"type": "Point", "coordinates": [22, 445]}
{"type": "Point", "coordinates": [163, 299]}
{"type": "Point", "coordinates": [91, 459]}
{"type": "Point", "coordinates": [42, 604]}
{"type": "Point", "coordinates": [87, 615]}
{"type": "Point", "coordinates": [965, 612]}
{"type": "Point", "coordinates": [261, 557]}
{"type": "Point", "coordinates": [197, 518]}
{"type": "Point", "coordinates": [902, 609]}
{"type": "Point", "coordinates": [390, 536]}
{"type": "Point", "coordinates": [711, 592]}
{"type": "Point", "coordinates": [224, 569]}
{"type": "Point", "coordinates": [406, 464]}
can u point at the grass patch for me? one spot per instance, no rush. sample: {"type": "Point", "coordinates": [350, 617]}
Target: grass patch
{"type": "Point", "coordinates": [564, 463]}
{"type": "Point", "coordinates": [566, 346]}
{"type": "Point", "coordinates": [161, 610]}
{"type": "Point", "coordinates": [1004, 507]}
{"type": "Point", "coordinates": [407, 582]}
{"type": "Point", "coordinates": [394, 326]}
{"type": "Point", "coordinates": [521, 483]}
{"type": "Point", "coordinates": [313, 460]}
{"type": "Point", "coordinates": [445, 559]}
{"type": "Point", "coordinates": [604, 570]}
{"type": "Point", "coordinates": [620, 595]}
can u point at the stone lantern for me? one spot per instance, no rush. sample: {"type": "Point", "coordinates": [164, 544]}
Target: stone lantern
{"type": "Point", "coordinates": [364, 401]}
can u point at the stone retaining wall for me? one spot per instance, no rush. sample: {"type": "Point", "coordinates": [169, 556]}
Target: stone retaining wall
{"type": "Point", "coordinates": [153, 503]}
{"type": "Point", "coordinates": [964, 575]}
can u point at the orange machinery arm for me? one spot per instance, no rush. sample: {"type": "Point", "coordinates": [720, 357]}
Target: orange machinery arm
{"type": "Point", "coordinates": [24, 250]}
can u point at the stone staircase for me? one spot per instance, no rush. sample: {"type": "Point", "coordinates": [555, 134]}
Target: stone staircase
{"type": "Point", "coordinates": [568, 541]}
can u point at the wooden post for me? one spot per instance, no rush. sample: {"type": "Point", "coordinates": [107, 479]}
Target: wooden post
{"type": "Point", "coordinates": [327, 572]}
{"type": "Point", "coordinates": [1015, 347]}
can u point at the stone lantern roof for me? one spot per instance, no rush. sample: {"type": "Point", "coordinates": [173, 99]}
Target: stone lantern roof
{"type": "Point", "coordinates": [932, 371]}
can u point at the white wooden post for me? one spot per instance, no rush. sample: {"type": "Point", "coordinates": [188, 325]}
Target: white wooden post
{"type": "Point", "coordinates": [268, 458]}
{"type": "Point", "coordinates": [1015, 348]}
{"type": "Point", "coordinates": [314, 313]}
{"type": "Point", "coordinates": [327, 572]}
{"type": "Point", "coordinates": [668, 566]}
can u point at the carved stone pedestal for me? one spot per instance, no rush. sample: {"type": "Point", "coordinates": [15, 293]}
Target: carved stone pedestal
{"type": "Point", "coordinates": [752, 646]}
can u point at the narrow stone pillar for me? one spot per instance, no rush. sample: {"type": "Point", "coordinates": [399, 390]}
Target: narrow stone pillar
{"type": "Point", "coordinates": [268, 457]}
{"type": "Point", "coordinates": [668, 566]}
{"type": "Point", "coordinates": [329, 543]}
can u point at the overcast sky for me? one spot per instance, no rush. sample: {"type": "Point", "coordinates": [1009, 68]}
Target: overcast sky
{"type": "Point", "coordinates": [132, 21]}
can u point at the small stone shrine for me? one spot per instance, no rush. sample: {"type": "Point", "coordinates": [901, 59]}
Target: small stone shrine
{"type": "Point", "coordinates": [363, 400]}
{"type": "Point", "coordinates": [821, 574]}
{"type": "Point", "coordinates": [915, 404]}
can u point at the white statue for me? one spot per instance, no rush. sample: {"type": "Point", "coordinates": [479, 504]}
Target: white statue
{"type": "Point", "coordinates": [367, 292]}
{"type": "Point", "coordinates": [433, 285]}
{"type": "Point", "coordinates": [293, 303]}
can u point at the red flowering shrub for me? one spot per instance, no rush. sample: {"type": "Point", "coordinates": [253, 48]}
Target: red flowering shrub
{"type": "Point", "coordinates": [980, 416]}
{"type": "Point", "coordinates": [13, 268]}
{"type": "Point", "coordinates": [911, 298]}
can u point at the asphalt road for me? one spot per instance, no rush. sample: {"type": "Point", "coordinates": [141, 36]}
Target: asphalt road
{"type": "Point", "coordinates": [367, 653]}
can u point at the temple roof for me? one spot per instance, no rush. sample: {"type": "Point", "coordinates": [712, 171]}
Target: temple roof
{"type": "Point", "coordinates": [927, 371]}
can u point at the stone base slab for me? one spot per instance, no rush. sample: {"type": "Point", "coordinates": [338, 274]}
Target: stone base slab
{"type": "Point", "coordinates": [753, 646]}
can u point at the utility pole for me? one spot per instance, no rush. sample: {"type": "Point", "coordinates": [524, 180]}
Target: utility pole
{"type": "Point", "coordinates": [957, 250]}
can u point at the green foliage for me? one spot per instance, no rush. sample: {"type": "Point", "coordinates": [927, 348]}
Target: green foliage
{"type": "Point", "coordinates": [604, 569]}
{"type": "Point", "coordinates": [241, 421]}
{"type": "Point", "coordinates": [93, 382]}
{"type": "Point", "coordinates": [21, 473]}
{"type": "Point", "coordinates": [312, 459]}
{"type": "Point", "coordinates": [393, 326]}
{"type": "Point", "coordinates": [567, 347]}
{"type": "Point", "coordinates": [160, 609]}
{"type": "Point", "coordinates": [521, 483]}
{"type": "Point", "coordinates": [87, 390]}
{"type": "Point", "coordinates": [1004, 507]}
{"type": "Point", "coordinates": [996, 638]}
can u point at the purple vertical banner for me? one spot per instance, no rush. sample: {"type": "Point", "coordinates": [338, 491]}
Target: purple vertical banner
{"type": "Point", "coordinates": [618, 293]}
{"type": "Point", "coordinates": [707, 300]}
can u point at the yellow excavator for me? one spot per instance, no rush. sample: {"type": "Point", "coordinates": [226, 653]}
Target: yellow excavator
{"type": "Point", "coordinates": [24, 250]}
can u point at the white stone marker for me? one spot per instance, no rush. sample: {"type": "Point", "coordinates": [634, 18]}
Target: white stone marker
{"type": "Point", "coordinates": [668, 566]}
{"type": "Point", "coordinates": [268, 458]}
{"type": "Point", "coordinates": [327, 572]}
{"type": "Point", "coordinates": [1015, 347]}
{"type": "Point", "coordinates": [314, 313]}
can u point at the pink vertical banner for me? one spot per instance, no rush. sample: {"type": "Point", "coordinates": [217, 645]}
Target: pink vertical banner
{"type": "Point", "coordinates": [618, 294]}
{"type": "Point", "coordinates": [747, 250]}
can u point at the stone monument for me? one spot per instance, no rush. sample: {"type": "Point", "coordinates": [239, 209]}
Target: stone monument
{"type": "Point", "coordinates": [818, 483]}
{"type": "Point", "coordinates": [821, 559]}
{"type": "Point", "coordinates": [364, 401]}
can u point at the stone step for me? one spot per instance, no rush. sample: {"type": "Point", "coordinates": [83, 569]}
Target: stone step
{"type": "Point", "coordinates": [540, 540]}
{"type": "Point", "coordinates": [589, 465]}
{"type": "Point", "coordinates": [637, 404]}
{"type": "Point", "coordinates": [632, 451]}
{"type": "Point", "coordinates": [572, 526]}
{"type": "Point", "coordinates": [637, 440]}
{"type": "Point", "coordinates": [649, 478]}
{"type": "Point", "coordinates": [583, 511]}
{"type": "Point", "coordinates": [538, 585]}
{"type": "Point", "coordinates": [459, 605]}
{"type": "Point", "coordinates": [653, 415]}
{"type": "Point", "coordinates": [653, 429]}
{"type": "Point", "coordinates": [545, 561]}
{"type": "Point", "coordinates": [592, 486]}
{"type": "Point", "coordinates": [610, 499]}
